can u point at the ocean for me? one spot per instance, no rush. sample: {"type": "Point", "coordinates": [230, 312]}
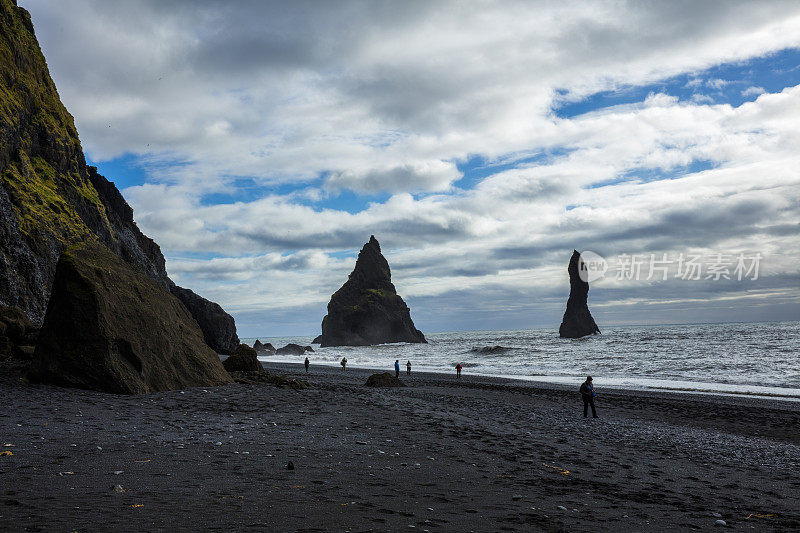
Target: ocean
{"type": "Point", "coordinates": [761, 359]}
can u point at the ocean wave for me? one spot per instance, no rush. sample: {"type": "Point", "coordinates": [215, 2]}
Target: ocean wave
{"type": "Point", "coordinates": [484, 350]}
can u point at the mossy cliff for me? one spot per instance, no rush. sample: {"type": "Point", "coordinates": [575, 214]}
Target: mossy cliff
{"type": "Point", "coordinates": [49, 197]}
{"type": "Point", "coordinates": [367, 309]}
{"type": "Point", "coordinates": [92, 333]}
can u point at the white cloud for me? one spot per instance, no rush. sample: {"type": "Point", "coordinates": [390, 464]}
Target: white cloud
{"type": "Point", "coordinates": [390, 97]}
{"type": "Point", "coordinates": [753, 91]}
{"type": "Point", "coordinates": [717, 83]}
{"type": "Point", "coordinates": [367, 92]}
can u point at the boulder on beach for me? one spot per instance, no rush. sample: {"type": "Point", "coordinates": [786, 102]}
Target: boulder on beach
{"type": "Point", "coordinates": [267, 378]}
{"type": "Point", "coordinates": [367, 310]}
{"type": "Point", "coordinates": [293, 349]}
{"type": "Point", "coordinates": [243, 359]}
{"type": "Point", "coordinates": [577, 321]}
{"type": "Point", "coordinates": [384, 379]}
{"type": "Point", "coordinates": [261, 347]}
{"type": "Point", "coordinates": [108, 327]}
{"type": "Point", "coordinates": [317, 340]}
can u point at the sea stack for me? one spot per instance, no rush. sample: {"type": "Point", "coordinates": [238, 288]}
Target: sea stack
{"type": "Point", "coordinates": [367, 309]}
{"type": "Point", "coordinates": [577, 321]}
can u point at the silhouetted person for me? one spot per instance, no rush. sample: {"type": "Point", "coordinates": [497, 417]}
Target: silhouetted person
{"type": "Point", "coordinates": [588, 394]}
{"type": "Point", "coordinates": [408, 368]}
{"type": "Point", "coordinates": [397, 368]}
{"type": "Point", "coordinates": [344, 362]}
{"type": "Point", "coordinates": [458, 371]}
{"type": "Point", "coordinates": [307, 363]}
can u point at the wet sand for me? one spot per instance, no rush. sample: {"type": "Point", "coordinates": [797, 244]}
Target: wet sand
{"type": "Point", "coordinates": [482, 454]}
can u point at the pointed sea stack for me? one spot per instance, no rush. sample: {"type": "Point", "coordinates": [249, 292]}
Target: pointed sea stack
{"type": "Point", "coordinates": [577, 321]}
{"type": "Point", "coordinates": [367, 309]}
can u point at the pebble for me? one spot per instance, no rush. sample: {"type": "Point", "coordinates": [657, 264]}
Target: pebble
{"type": "Point", "coordinates": [118, 488]}
{"type": "Point", "coordinates": [716, 514]}
{"type": "Point", "coordinates": [720, 523]}
{"type": "Point", "coordinates": [516, 497]}
{"type": "Point", "coordinates": [562, 508]}
{"type": "Point", "coordinates": [290, 466]}
{"type": "Point", "coordinates": [117, 472]}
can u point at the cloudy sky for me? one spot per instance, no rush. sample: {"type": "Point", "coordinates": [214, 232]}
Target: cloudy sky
{"type": "Point", "coordinates": [260, 144]}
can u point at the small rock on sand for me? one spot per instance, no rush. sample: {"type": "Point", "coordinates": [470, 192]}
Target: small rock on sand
{"type": "Point", "coordinates": [720, 523]}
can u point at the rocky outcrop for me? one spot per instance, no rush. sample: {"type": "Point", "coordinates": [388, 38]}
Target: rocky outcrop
{"type": "Point", "coordinates": [317, 340]}
{"type": "Point", "coordinates": [50, 198]}
{"type": "Point", "coordinates": [367, 309]}
{"type": "Point", "coordinates": [17, 334]}
{"type": "Point", "coordinates": [111, 328]}
{"type": "Point", "coordinates": [219, 328]}
{"type": "Point", "coordinates": [266, 378]}
{"type": "Point", "coordinates": [577, 321]}
{"type": "Point", "coordinates": [293, 349]}
{"type": "Point", "coordinates": [491, 350]}
{"type": "Point", "coordinates": [385, 380]}
{"type": "Point", "coordinates": [260, 347]}
{"type": "Point", "coordinates": [243, 359]}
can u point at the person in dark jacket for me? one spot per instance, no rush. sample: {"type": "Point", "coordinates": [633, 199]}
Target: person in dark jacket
{"type": "Point", "coordinates": [397, 368]}
{"type": "Point", "coordinates": [307, 363]}
{"type": "Point", "coordinates": [458, 371]}
{"type": "Point", "coordinates": [588, 394]}
{"type": "Point", "coordinates": [408, 367]}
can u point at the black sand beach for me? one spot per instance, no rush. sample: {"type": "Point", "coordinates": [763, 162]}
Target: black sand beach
{"type": "Point", "coordinates": [479, 455]}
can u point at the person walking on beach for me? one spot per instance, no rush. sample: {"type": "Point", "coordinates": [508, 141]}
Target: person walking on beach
{"type": "Point", "coordinates": [397, 368]}
{"type": "Point", "coordinates": [588, 394]}
{"type": "Point", "coordinates": [458, 371]}
{"type": "Point", "coordinates": [344, 363]}
{"type": "Point", "coordinates": [408, 368]}
{"type": "Point", "coordinates": [306, 364]}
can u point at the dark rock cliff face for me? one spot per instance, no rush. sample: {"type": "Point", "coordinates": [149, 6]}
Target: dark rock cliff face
{"type": "Point", "coordinates": [92, 333]}
{"type": "Point", "coordinates": [50, 198]}
{"type": "Point", "coordinates": [17, 334]}
{"type": "Point", "coordinates": [367, 309]}
{"type": "Point", "coordinates": [218, 326]}
{"type": "Point", "coordinates": [577, 321]}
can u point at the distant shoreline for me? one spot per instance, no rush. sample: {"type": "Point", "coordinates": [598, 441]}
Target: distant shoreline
{"type": "Point", "coordinates": [560, 383]}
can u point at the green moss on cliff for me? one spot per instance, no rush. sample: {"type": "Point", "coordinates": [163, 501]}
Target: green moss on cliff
{"type": "Point", "coordinates": [41, 162]}
{"type": "Point", "coordinates": [38, 205]}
